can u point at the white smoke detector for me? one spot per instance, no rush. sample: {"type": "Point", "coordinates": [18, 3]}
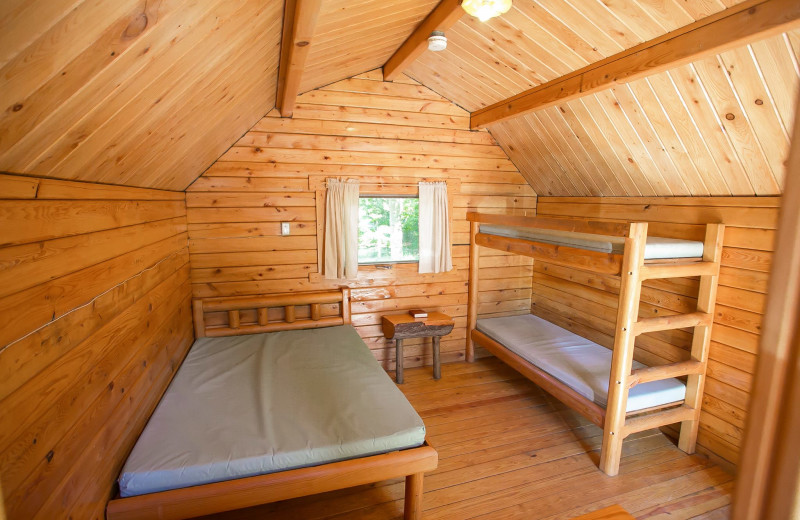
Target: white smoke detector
{"type": "Point", "coordinates": [437, 41]}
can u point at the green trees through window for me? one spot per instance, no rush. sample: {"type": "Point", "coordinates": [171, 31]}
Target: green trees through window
{"type": "Point", "coordinates": [388, 229]}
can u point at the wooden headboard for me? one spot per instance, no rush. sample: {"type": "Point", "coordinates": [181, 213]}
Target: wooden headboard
{"type": "Point", "coordinates": [255, 314]}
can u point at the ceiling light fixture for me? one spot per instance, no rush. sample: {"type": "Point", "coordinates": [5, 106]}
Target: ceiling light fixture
{"type": "Point", "coordinates": [485, 9]}
{"type": "Point", "coordinates": [437, 41]}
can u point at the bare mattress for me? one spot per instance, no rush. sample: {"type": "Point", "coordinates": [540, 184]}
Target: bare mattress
{"type": "Point", "coordinates": [249, 405]}
{"type": "Point", "coordinates": [655, 247]}
{"type": "Point", "coordinates": [577, 362]}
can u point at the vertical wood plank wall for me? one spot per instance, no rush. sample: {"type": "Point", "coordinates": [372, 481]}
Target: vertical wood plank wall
{"type": "Point", "coordinates": [585, 302]}
{"type": "Point", "coordinates": [380, 132]}
{"type": "Point", "coordinates": [94, 320]}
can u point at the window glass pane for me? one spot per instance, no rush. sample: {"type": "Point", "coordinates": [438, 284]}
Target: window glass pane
{"type": "Point", "coordinates": [388, 229]}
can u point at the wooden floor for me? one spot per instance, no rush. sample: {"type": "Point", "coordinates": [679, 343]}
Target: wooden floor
{"type": "Point", "coordinates": [507, 451]}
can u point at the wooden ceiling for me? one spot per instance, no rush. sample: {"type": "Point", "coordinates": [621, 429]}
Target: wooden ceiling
{"type": "Point", "coordinates": [129, 91]}
{"type": "Point", "coordinates": [541, 40]}
{"type": "Point", "coordinates": [151, 93]}
{"type": "Point", "coordinates": [355, 36]}
{"type": "Point", "coordinates": [718, 126]}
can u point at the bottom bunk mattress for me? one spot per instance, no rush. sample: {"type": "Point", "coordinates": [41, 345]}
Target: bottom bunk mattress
{"type": "Point", "coordinates": [577, 362]}
{"type": "Point", "coordinates": [249, 405]}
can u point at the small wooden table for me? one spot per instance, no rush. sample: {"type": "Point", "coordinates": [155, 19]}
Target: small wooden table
{"type": "Point", "coordinates": [404, 326]}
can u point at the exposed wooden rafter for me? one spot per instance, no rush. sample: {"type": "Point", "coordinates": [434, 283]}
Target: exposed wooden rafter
{"type": "Point", "coordinates": [299, 19]}
{"type": "Point", "coordinates": [444, 16]}
{"type": "Point", "coordinates": [733, 27]}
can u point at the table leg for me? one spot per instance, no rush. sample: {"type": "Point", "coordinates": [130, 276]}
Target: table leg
{"type": "Point", "coordinates": [437, 363]}
{"type": "Point", "coordinates": [399, 361]}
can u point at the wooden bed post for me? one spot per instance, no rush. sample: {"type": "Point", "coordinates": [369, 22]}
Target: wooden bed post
{"type": "Point", "coordinates": [706, 298]}
{"type": "Point", "coordinates": [199, 319]}
{"type": "Point", "coordinates": [412, 509]}
{"type": "Point", "coordinates": [472, 298]}
{"type": "Point", "coordinates": [346, 317]}
{"type": "Point", "coordinates": [622, 355]}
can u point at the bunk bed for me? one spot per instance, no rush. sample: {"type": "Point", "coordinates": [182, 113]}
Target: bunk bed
{"type": "Point", "coordinates": [277, 398]}
{"type": "Point", "coordinates": [609, 388]}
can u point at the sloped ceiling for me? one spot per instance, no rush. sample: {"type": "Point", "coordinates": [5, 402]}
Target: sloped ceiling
{"type": "Point", "coordinates": [352, 37]}
{"type": "Point", "coordinates": [150, 92]}
{"type": "Point", "coordinates": [719, 126]}
{"type": "Point", "coordinates": [541, 40]}
{"type": "Point", "coordinates": [134, 92]}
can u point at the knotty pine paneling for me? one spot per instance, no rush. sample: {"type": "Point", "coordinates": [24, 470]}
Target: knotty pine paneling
{"type": "Point", "coordinates": [351, 37]}
{"type": "Point", "coordinates": [586, 302]}
{"type": "Point", "coordinates": [541, 40]}
{"type": "Point", "coordinates": [94, 319]}
{"type": "Point", "coordinates": [380, 132]}
{"type": "Point", "coordinates": [718, 126]}
{"type": "Point", "coordinates": [132, 92]}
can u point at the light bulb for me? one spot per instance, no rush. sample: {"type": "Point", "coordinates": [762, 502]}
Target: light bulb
{"type": "Point", "coordinates": [486, 9]}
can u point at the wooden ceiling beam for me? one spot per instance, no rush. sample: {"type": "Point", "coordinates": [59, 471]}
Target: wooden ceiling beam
{"type": "Point", "coordinates": [443, 16]}
{"type": "Point", "coordinates": [299, 20]}
{"type": "Point", "coordinates": [736, 26]}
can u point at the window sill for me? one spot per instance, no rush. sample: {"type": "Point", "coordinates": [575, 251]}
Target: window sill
{"type": "Point", "coordinates": [364, 271]}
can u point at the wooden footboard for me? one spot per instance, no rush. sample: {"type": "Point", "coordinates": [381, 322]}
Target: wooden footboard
{"type": "Point", "coordinates": [264, 489]}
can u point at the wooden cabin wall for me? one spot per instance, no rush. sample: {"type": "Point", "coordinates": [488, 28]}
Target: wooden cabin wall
{"type": "Point", "coordinates": [586, 302]}
{"type": "Point", "coordinates": [382, 133]}
{"type": "Point", "coordinates": [94, 319]}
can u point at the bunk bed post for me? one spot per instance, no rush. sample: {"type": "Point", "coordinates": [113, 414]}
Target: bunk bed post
{"type": "Point", "coordinates": [472, 298]}
{"type": "Point", "coordinates": [706, 297]}
{"type": "Point", "coordinates": [622, 355]}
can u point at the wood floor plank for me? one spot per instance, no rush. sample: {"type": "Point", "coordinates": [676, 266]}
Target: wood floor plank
{"type": "Point", "coordinates": [507, 450]}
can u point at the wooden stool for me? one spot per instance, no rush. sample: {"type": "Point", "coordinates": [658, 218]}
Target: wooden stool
{"type": "Point", "coordinates": [404, 326]}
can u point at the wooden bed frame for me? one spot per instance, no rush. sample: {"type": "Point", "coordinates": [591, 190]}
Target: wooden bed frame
{"type": "Point", "coordinates": [632, 269]}
{"type": "Point", "coordinates": [269, 314]}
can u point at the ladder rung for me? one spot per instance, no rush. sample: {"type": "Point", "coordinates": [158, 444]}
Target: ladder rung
{"type": "Point", "coordinates": [654, 420]}
{"type": "Point", "coordinates": [682, 368]}
{"type": "Point", "coordinates": [676, 321]}
{"type": "Point", "coordinates": [653, 271]}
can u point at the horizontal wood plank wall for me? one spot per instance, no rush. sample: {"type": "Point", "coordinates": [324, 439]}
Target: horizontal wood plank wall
{"type": "Point", "coordinates": [382, 133]}
{"type": "Point", "coordinates": [94, 320]}
{"type": "Point", "coordinates": [585, 302]}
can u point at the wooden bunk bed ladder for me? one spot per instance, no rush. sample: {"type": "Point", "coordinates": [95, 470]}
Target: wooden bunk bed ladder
{"type": "Point", "coordinates": [622, 378]}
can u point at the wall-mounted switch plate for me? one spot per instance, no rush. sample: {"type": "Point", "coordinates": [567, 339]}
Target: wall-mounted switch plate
{"type": "Point", "coordinates": [285, 228]}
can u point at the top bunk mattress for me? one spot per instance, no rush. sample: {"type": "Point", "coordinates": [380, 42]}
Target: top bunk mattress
{"type": "Point", "coordinates": [249, 405]}
{"type": "Point", "coordinates": [656, 247]}
{"type": "Point", "coordinates": [577, 362]}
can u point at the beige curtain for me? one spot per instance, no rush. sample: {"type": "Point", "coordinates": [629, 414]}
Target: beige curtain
{"type": "Point", "coordinates": [341, 229]}
{"type": "Point", "coordinates": [434, 228]}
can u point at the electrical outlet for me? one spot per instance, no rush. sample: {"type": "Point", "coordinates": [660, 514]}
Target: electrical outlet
{"type": "Point", "coordinates": [285, 228]}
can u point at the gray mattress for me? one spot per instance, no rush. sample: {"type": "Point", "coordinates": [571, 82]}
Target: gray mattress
{"type": "Point", "coordinates": [656, 247]}
{"type": "Point", "coordinates": [249, 405]}
{"type": "Point", "coordinates": [577, 362]}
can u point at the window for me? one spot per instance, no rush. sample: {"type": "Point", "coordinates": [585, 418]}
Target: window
{"type": "Point", "coordinates": [388, 230]}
